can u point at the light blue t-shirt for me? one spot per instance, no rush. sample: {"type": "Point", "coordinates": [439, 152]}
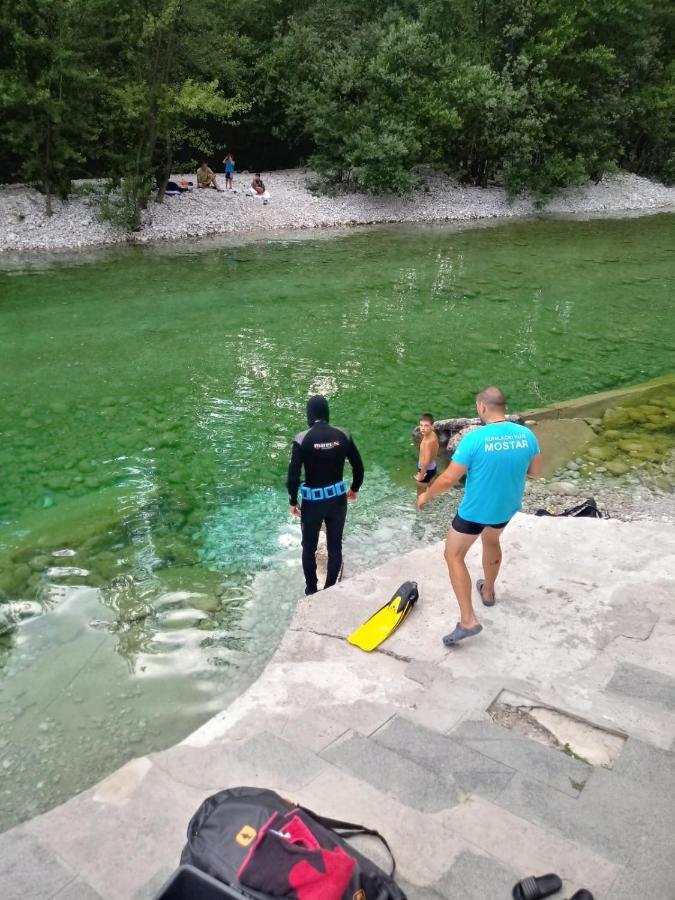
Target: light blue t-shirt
{"type": "Point", "coordinates": [497, 457]}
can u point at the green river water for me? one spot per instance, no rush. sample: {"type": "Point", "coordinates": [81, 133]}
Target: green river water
{"type": "Point", "coordinates": [148, 564]}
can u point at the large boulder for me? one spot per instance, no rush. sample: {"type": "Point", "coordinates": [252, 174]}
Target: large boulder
{"type": "Point", "coordinates": [451, 431]}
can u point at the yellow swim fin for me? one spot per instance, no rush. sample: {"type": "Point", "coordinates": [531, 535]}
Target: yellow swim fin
{"type": "Point", "coordinates": [387, 619]}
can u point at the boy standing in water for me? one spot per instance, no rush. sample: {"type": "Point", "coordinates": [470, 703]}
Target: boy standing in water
{"type": "Point", "coordinates": [426, 466]}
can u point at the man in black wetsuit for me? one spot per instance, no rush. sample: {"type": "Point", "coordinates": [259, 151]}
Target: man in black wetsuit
{"type": "Point", "coordinates": [322, 451]}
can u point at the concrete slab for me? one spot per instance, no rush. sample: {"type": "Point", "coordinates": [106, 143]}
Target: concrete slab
{"type": "Point", "coordinates": [580, 696]}
{"type": "Point", "coordinates": [153, 885]}
{"type": "Point", "coordinates": [286, 763]}
{"type": "Point", "coordinates": [601, 821]}
{"type": "Point", "coordinates": [474, 877]}
{"type": "Point", "coordinates": [641, 804]}
{"type": "Point", "coordinates": [343, 676]}
{"type": "Point", "coordinates": [365, 717]}
{"type": "Point", "coordinates": [357, 598]}
{"type": "Point", "coordinates": [423, 862]}
{"type": "Point", "coordinates": [315, 732]}
{"type": "Point", "coordinates": [113, 848]}
{"type": "Point", "coordinates": [264, 760]}
{"type": "Point", "coordinates": [645, 684]}
{"type": "Point", "coordinates": [418, 892]}
{"type": "Point", "coordinates": [651, 872]}
{"type": "Point", "coordinates": [392, 774]}
{"type": "Point", "coordinates": [29, 869]}
{"type": "Point", "coordinates": [641, 762]}
{"type": "Point", "coordinates": [77, 890]}
{"type": "Point", "coordinates": [446, 700]}
{"type": "Point", "coordinates": [447, 757]}
{"type": "Point", "coordinates": [630, 616]}
{"type": "Point", "coordinates": [528, 848]}
{"type": "Point", "coordinates": [538, 763]}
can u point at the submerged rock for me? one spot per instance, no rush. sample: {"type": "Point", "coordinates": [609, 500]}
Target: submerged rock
{"type": "Point", "coordinates": [616, 467]}
{"type": "Point", "coordinates": [564, 487]}
{"type": "Point", "coordinates": [15, 612]}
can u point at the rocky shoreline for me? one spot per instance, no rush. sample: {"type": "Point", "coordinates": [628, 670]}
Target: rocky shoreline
{"type": "Point", "coordinates": [627, 501]}
{"type": "Point", "coordinates": [24, 226]}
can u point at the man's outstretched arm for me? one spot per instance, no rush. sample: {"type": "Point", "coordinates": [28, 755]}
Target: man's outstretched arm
{"type": "Point", "coordinates": [443, 483]}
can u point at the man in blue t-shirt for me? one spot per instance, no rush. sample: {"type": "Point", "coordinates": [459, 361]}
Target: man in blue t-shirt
{"type": "Point", "coordinates": [496, 460]}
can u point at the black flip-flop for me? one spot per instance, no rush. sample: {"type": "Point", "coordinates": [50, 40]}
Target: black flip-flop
{"type": "Point", "coordinates": [479, 588]}
{"type": "Point", "coordinates": [583, 894]}
{"type": "Point", "coordinates": [536, 887]}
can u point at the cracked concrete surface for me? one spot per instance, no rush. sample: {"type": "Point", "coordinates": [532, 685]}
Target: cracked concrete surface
{"type": "Point", "coordinates": [402, 741]}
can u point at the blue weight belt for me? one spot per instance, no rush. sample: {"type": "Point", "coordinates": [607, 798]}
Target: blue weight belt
{"type": "Point", "coordinates": [323, 493]}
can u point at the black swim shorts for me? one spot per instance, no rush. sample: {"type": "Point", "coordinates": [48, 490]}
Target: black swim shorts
{"type": "Point", "coordinates": [431, 473]}
{"type": "Point", "coordinates": [463, 527]}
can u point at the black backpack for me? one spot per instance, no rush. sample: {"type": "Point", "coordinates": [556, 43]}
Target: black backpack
{"type": "Point", "coordinates": [586, 510]}
{"type": "Point", "coordinates": [264, 846]}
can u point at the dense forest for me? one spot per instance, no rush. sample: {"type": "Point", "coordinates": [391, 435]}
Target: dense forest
{"type": "Point", "coordinates": [535, 94]}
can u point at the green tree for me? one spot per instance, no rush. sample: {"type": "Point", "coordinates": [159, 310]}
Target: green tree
{"type": "Point", "coordinates": [536, 94]}
{"type": "Point", "coordinates": [164, 90]}
{"type": "Point", "coordinates": [48, 93]}
{"type": "Point", "coordinates": [372, 102]}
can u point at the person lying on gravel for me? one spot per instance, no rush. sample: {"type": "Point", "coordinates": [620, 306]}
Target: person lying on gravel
{"type": "Point", "coordinates": [206, 177]}
{"type": "Point", "coordinates": [258, 188]}
{"type": "Point", "coordinates": [181, 187]}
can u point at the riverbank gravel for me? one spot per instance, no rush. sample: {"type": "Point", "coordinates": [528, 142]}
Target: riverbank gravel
{"type": "Point", "coordinates": [628, 501]}
{"type": "Point", "coordinates": [75, 223]}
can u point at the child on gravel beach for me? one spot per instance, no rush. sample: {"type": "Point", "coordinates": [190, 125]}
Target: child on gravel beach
{"type": "Point", "coordinates": [258, 188]}
{"type": "Point", "coordinates": [229, 171]}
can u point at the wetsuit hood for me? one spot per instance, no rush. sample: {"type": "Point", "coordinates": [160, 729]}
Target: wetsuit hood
{"type": "Point", "coordinates": [317, 409]}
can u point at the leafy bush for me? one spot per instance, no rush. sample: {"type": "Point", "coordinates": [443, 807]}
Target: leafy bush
{"type": "Point", "coordinates": [121, 205]}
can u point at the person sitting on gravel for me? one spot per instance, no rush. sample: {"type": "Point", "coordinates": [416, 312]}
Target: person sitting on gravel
{"type": "Point", "coordinates": [258, 188]}
{"type": "Point", "coordinates": [206, 178]}
{"type": "Point", "coordinates": [495, 458]}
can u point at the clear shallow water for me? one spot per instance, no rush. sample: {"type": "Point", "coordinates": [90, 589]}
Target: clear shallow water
{"type": "Point", "coordinates": [149, 397]}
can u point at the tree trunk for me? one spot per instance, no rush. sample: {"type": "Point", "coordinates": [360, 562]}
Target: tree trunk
{"type": "Point", "coordinates": [166, 173]}
{"type": "Point", "coordinates": [47, 179]}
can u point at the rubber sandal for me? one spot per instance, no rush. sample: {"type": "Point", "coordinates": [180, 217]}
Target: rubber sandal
{"type": "Point", "coordinates": [460, 633]}
{"type": "Point", "coordinates": [533, 888]}
{"type": "Point", "coordinates": [479, 588]}
{"type": "Point", "coordinates": [583, 894]}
